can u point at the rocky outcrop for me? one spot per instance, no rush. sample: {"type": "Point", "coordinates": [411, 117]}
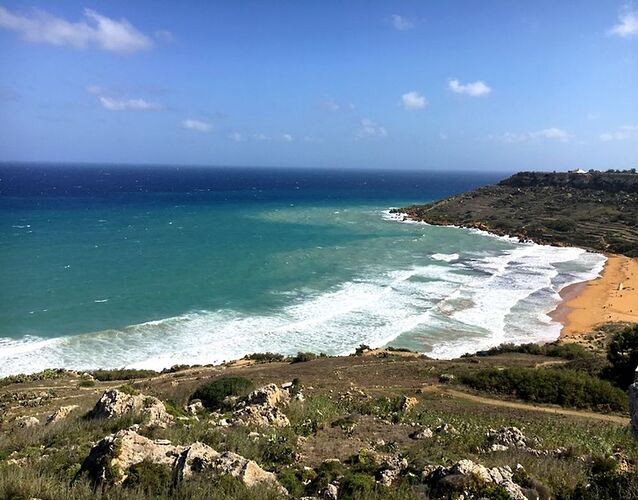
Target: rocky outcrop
{"type": "Point", "coordinates": [409, 403]}
{"type": "Point", "coordinates": [464, 476]}
{"type": "Point", "coordinates": [261, 408]}
{"type": "Point", "coordinates": [110, 460]}
{"type": "Point", "coordinates": [115, 404]}
{"type": "Point", "coordinates": [60, 414]}
{"type": "Point", "coordinates": [26, 422]}
{"type": "Point", "coordinates": [424, 433]}
{"type": "Point", "coordinates": [505, 438]}
{"type": "Point", "coordinates": [633, 405]}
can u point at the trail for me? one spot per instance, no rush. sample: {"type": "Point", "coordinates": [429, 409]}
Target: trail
{"type": "Point", "coordinates": [524, 406]}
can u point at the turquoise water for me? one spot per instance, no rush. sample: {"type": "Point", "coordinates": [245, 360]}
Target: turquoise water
{"type": "Point", "coordinates": [116, 277]}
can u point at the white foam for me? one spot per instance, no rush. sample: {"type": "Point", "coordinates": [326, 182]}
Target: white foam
{"type": "Point", "coordinates": [462, 302]}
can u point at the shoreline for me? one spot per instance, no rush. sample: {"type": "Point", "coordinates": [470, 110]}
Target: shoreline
{"type": "Point", "coordinates": [611, 297]}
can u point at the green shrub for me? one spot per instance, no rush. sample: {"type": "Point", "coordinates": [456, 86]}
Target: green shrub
{"type": "Point", "coordinates": [86, 383]}
{"type": "Point", "coordinates": [302, 357]}
{"type": "Point", "coordinates": [212, 394]}
{"type": "Point", "coordinates": [622, 355]}
{"type": "Point", "coordinates": [122, 374]}
{"type": "Point", "coordinates": [21, 378]}
{"type": "Point", "coordinates": [552, 349]}
{"type": "Point", "coordinates": [265, 357]}
{"type": "Point", "coordinates": [356, 485]}
{"type": "Point", "coordinates": [562, 387]}
{"type": "Point", "coordinates": [361, 349]}
{"type": "Point", "coordinates": [151, 478]}
{"type": "Point", "coordinates": [128, 389]}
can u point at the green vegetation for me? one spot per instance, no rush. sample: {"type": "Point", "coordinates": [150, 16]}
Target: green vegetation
{"type": "Point", "coordinates": [122, 374]}
{"type": "Point", "coordinates": [265, 357]}
{"type": "Point", "coordinates": [552, 349]}
{"type": "Point", "coordinates": [302, 357]}
{"type": "Point", "coordinates": [597, 210]}
{"type": "Point", "coordinates": [562, 387]}
{"type": "Point", "coordinates": [212, 394]}
{"type": "Point", "coordinates": [21, 378]}
{"type": "Point", "coordinates": [622, 355]}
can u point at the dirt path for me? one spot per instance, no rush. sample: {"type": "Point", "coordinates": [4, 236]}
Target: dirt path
{"type": "Point", "coordinates": [524, 406]}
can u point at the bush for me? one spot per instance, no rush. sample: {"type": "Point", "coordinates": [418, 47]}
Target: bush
{"type": "Point", "coordinates": [563, 387]}
{"type": "Point", "coordinates": [153, 479]}
{"type": "Point", "coordinates": [21, 378]}
{"type": "Point", "coordinates": [122, 374]}
{"type": "Point", "coordinates": [622, 355]}
{"type": "Point", "coordinates": [302, 357]}
{"type": "Point", "coordinates": [212, 394]}
{"type": "Point", "coordinates": [553, 349]}
{"type": "Point", "coordinates": [265, 357]}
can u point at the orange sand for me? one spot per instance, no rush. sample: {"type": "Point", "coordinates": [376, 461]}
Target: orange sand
{"type": "Point", "coordinates": [611, 297]}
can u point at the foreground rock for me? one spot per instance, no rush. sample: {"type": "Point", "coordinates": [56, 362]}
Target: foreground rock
{"type": "Point", "coordinates": [466, 477]}
{"type": "Point", "coordinates": [262, 408]}
{"type": "Point", "coordinates": [116, 404]}
{"type": "Point", "coordinates": [110, 460]}
{"type": "Point", "coordinates": [60, 414]}
{"type": "Point", "coordinates": [27, 422]}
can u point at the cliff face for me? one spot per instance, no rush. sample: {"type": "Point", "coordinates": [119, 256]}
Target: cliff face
{"type": "Point", "coordinates": [597, 211]}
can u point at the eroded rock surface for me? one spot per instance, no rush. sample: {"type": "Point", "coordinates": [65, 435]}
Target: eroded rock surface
{"type": "Point", "coordinates": [60, 414]}
{"type": "Point", "coordinates": [115, 404]}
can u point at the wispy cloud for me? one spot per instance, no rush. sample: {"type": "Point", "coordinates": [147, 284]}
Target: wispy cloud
{"type": "Point", "coordinates": [370, 128]}
{"type": "Point", "coordinates": [197, 125]}
{"type": "Point", "coordinates": [413, 100]}
{"type": "Point", "coordinates": [474, 89]}
{"type": "Point", "coordinates": [93, 30]}
{"type": "Point", "coordinates": [401, 23]}
{"type": "Point", "coordinates": [550, 134]}
{"type": "Point", "coordinates": [113, 104]}
{"type": "Point", "coordinates": [622, 133]}
{"type": "Point", "coordinates": [237, 137]}
{"type": "Point", "coordinates": [627, 25]}
{"type": "Point", "coordinates": [164, 36]}
{"type": "Point", "coordinates": [273, 138]}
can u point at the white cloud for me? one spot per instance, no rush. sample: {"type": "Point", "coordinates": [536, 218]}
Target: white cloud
{"type": "Point", "coordinates": [330, 104]}
{"type": "Point", "coordinates": [94, 30]}
{"type": "Point", "coordinates": [401, 23]}
{"type": "Point", "coordinates": [622, 133]}
{"type": "Point", "coordinates": [371, 129]}
{"type": "Point", "coordinates": [474, 89]}
{"type": "Point", "coordinates": [550, 134]}
{"type": "Point", "coordinates": [413, 100]}
{"type": "Point", "coordinates": [287, 137]}
{"type": "Point", "coordinates": [113, 104]}
{"type": "Point", "coordinates": [627, 23]}
{"type": "Point", "coordinates": [260, 137]}
{"type": "Point", "coordinates": [197, 125]}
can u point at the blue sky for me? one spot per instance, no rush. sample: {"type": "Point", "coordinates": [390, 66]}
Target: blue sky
{"type": "Point", "coordinates": [430, 84]}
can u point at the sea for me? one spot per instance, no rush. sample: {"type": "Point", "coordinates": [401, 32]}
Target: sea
{"type": "Point", "coordinates": [108, 266]}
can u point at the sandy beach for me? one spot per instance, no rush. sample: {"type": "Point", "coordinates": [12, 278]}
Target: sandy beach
{"type": "Point", "coordinates": [611, 297]}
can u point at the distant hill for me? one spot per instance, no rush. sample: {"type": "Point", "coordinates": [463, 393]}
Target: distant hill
{"type": "Point", "coordinates": [593, 210]}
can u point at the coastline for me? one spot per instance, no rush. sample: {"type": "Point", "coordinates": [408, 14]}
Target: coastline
{"type": "Point", "coordinates": [611, 297]}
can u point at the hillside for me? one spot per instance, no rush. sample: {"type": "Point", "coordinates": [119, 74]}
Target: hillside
{"type": "Point", "coordinates": [596, 210]}
{"type": "Point", "coordinates": [379, 424]}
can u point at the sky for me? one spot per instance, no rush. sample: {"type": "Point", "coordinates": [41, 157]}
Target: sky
{"type": "Point", "coordinates": [491, 85]}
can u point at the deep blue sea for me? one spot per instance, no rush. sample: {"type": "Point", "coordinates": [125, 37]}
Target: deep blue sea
{"type": "Point", "coordinates": [142, 266]}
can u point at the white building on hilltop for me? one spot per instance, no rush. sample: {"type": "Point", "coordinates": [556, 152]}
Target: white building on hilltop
{"type": "Point", "coordinates": [577, 171]}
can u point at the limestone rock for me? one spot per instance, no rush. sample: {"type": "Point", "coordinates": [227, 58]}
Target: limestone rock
{"type": "Point", "coordinates": [446, 429]}
{"type": "Point", "coordinates": [454, 480]}
{"type": "Point", "coordinates": [330, 492]}
{"type": "Point", "coordinates": [506, 437]}
{"type": "Point", "coordinates": [269, 395]}
{"type": "Point", "coordinates": [115, 404]}
{"type": "Point", "coordinates": [60, 414]}
{"type": "Point", "coordinates": [111, 458]}
{"type": "Point", "coordinates": [26, 422]}
{"type": "Point", "coordinates": [409, 403]}
{"type": "Point", "coordinates": [195, 407]}
{"type": "Point", "coordinates": [422, 434]}
{"type": "Point", "coordinates": [261, 408]}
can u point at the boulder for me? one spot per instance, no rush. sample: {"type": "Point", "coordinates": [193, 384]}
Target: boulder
{"type": "Point", "coordinates": [409, 403]}
{"type": "Point", "coordinates": [195, 407]}
{"type": "Point", "coordinates": [633, 405]}
{"type": "Point", "coordinates": [506, 437]}
{"type": "Point", "coordinates": [330, 492]}
{"type": "Point", "coordinates": [261, 408]}
{"type": "Point", "coordinates": [425, 433]}
{"type": "Point", "coordinates": [446, 428]}
{"type": "Point", "coordinates": [461, 477]}
{"type": "Point", "coordinates": [111, 458]}
{"type": "Point", "coordinates": [60, 414]}
{"type": "Point", "coordinates": [115, 404]}
{"type": "Point", "coordinates": [269, 395]}
{"type": "Point", "coordinates": [27, 422]}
